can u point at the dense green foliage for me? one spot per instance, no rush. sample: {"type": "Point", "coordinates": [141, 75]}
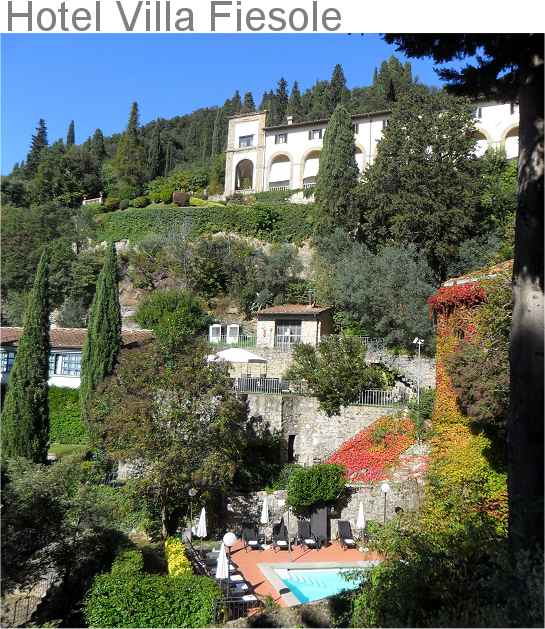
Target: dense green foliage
{"type": "Point", "coordinates": [177, 413]}
{"type": "Point", "coordinates": [337, 176]}
{"type": "Point", "coordinates": [65, 424]}
{"type": "Point", "coordinates": [422, 187]}
{"type": "Point", "coordinates": [336, 371]}
{"type": "Point", "coordinates": [316, 486]}
{"type": "Point", "coordinates": [174, 316]}
{"type": "Point", "coordinates": [129, 163]}
{"type": "Point", "coordinates": [129, 562]}
{"type": "Point", "coordinates": [276, 223]}
{"type": "Point", "coordinates": [25, 415]}
{"type": "Point", "coordinates": [103, 339]}
{"type": "Point", "coordinates": [379, 294]}
{"type": "Point", "coordinates": [147, 600]}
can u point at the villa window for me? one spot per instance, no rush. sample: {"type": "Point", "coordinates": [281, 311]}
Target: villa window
{"type": "Point", "coordinates": [7, 357]}
{"type": "Point", "coordinates": [355, 127]}
{"type": "Point", "coordinates": [384, 123]}
{"type": "Point", "coordinates": [315, 134]}
{"type": "Point", "coordinates": [479, 113]}
{"type": "Point", "coordinates": [513, 108]}
{"type": "Point", "coordinates": [281, 138]}
{"type": "Point", "coordinates": [288, 333]}
{"type": "Point", "coordinates": [68, 364]}
{"type": "Point", "coordinates": [245, 141]}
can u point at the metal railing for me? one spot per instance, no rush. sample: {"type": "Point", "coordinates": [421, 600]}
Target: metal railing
{"type": "Point", "coordinates": [235, 608]}
{"type": "Point", "coordinates": [242, 340]}
{"type": "Point", "coordinates": [280, 187]}
{"type": "Point", "coordinates": [278, 386]}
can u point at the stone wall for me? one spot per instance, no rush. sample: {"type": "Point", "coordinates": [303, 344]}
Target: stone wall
{"type": "Point", "coordinates": [316, 435]}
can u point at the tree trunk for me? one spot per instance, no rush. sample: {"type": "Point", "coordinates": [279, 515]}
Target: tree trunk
{"type": "Point", "coordinates": [525, 425]}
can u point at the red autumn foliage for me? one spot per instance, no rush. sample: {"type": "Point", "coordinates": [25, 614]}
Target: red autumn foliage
{"type": "Point", "coordinates": [374, 449]}
{"type": "Point", "coordinates": [447, 297]}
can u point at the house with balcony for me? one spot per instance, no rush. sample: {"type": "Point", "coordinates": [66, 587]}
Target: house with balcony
{"type": "Point", "coordinates": [65, 354]}
{"type": "Point", "coordinates": [287, 156]}
{"type": "Point", "coordinates": [287, 325]}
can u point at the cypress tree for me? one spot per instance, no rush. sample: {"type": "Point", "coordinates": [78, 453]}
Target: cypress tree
{"type": "Point", "coordinates": [217, 145]}
{"type": "Point", "coordinates": [130, 159]}
{"type": "Point", "coordinates": [97, 145]}
{"type": "Point", "coordinates": [282, 100]}
{"type": "Point", "coordinates": [71, 134]}
{"type": "Point", "coordinates": [338, 92]}
{"type": "Point", "coordinates": [104, 332]}
{"type": "Point", "coordinates": [295, 104]}
{"type": "Point", "coordinates": [248, 105]}
{"type": "Point", "coordinates": [25, 417]}
{"type": "Point", "coordinates": [236, 103]}
{"type": "Point", "coordinates": [155, 154]}
{"type": "Point", "coordinates": [337, 176]}
{"type": "Point", "coordinates": [39, 142]}
{"type": "Point", "coordinates": [391, 95]}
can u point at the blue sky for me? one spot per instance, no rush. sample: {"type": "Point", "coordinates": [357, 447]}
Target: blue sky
{"type": "Point", "coordinates": [94, 78]}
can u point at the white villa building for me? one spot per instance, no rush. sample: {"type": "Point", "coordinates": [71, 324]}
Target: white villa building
{"type": "Point", "coordinates": [286, 157]}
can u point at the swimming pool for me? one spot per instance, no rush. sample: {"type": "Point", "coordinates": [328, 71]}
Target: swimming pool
{"type": "Point", "coordinates": [312, 584]}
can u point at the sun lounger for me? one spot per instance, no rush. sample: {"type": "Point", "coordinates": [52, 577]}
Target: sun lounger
{"type": "Point", "coordinates": [346, 537]}
{"type": "Point", "coordinates": [251, 539]}
{"type": "Point", "coordinates": [305, 537]}
{"type": "Point", "coordinates": [280, 536]}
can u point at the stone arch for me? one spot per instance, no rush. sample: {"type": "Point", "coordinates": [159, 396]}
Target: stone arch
{"type": "Point", "coordinates": [360, 157]}
{"type": "Point", "coordinates": [510, 141]}
{"type": "Point", "coordinates": [244, 175]}
{"type": "Point", "coordinates": [483, 142]}
{"type": "Point", "coordinates": [310, 164]}
{"type": "Point", "coordinates": [279, 171]}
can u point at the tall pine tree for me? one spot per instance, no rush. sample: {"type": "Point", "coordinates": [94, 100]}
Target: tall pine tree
{"type": "Point", "coordinates": [248, 106]}
{"type": "Point", "coordinates": [156, 159]}
{"type": "Point", "coordinates": [337, 176]}
{"type": "Point", "coordinates": [130, 159]}
{"type": "Point", "coordinates": [38, 144]}
{"type": "Point", "coordinates": [25, 416]}
{"type": "Point", "coordinates": [104, 332]}
{"type": "Point", "coordinates": [71, 134]}
{"type": "Point", "coordinates": [97, 145]}
{"type": "Point", "coordinates": [295, 104]}
{"type": "Point", "coordinates": [338, 92]}
{"type": "Point", "coordinates": [282, 99]}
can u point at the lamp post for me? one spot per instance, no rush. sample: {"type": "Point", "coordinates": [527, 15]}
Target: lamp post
{"type": "Point", "coordinates": [192, 493]}
{"type": "Point", "coordinates": [385, 488]}
{"type": "Point", "coordinates": [419, 342]}
{"type": "Point", "coordinates": [229, 540]}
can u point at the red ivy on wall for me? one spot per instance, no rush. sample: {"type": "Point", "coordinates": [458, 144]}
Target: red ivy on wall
{"type": "Point", "coordinates": [448, 297]}
{"type": "Point", "coordinates": [367, 456]}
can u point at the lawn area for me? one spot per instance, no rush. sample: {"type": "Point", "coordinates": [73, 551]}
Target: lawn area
{"type": "Point", "coordinates": [62, 450]}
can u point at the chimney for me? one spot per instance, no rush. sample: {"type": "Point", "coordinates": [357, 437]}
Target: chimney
{"type": "Point", "coordinates": [290, 119]}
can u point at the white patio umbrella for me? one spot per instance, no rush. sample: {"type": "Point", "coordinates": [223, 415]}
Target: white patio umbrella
{"type": "Point", "coordinates": [265, 511]}
{"type": "Point", "coordinates": [235, 355]}
{"type": "Point", "coordinates": [201, 527]}
{"type": "Point", "coordinates": [222, 567]}
{"type": "Point", "coordinates": [360, 521]}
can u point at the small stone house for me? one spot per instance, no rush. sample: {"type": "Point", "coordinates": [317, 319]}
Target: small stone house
{"type": "Point", "coordinates": [287, 325]}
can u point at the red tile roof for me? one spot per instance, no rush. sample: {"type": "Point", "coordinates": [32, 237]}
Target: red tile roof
{"type": "Point", "coordinates": [72, 337]}
{"type": "Point", "coordinates": [294, 309]}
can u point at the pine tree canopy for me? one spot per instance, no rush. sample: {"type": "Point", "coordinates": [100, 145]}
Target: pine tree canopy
{"type": "Point", "coordinates": [130, 160]}
{"type": "Point", "coordinates": [104, 331]}
{"type": "Point", "coordinates": [71, 134]}
{"type": "Point", "coordinates": [25, 416]}
{"type": "Point", "coordinates": [337, 176]}
{"type": "Point", "coordinates": [39, 142]}
{"type": "Point", "coordinates": [249, 104]}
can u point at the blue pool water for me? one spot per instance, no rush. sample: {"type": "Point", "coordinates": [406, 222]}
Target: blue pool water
{"type": "Point", "coordinates": [313, 584]}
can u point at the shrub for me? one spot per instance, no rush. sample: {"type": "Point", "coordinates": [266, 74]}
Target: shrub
{"type": "Point", "coordinates": [128, 562]}
{"type": "Point", "coordinates": [140, 202]}
{"type": "Point", "coordinates": [124, 204]}
{"type": "Point", "coordinates": [196, 202]}
{"type": "Point", "coordinates": [111, 204]}
{"type": "Point", "coordinates": [181, 199]}
{"type": "Point", "coordinates": [275, 223]}
{"type": "Point", "coordinates": [177, 562]}
{"type": "Point", "coordinates": [316, 486]}
{"type": "Point", "coordinates": [65, 423]}
{"type": "Point", "coordinates": [284, 476]}
{"type": "Point", "coordinates": [151, 601]}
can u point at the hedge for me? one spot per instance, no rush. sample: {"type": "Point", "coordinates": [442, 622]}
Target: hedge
{"type": "Point", "coordinates": [315, 486]}
{"type": "Point", "coordinates": [146, 600]}
{"type": "Point", "coordinates": [66, 425]}
{"type": "Point", "coordinates": [128, 562]}
{"type": "Point", "coordinates": [177, 561]}
{"type": "Point", "coordinates": [274, 222]}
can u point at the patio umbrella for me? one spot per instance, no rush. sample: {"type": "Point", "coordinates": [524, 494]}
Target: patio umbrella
{"type": "Point", "coordinates": [360, 521]}
{"type": "Point", "coordinates": [235, 355]}
{"type": "Point", "coordinates": [222, 567]}
{"type": "Point", "coordinates": [201, 527]}
{"type": "Point", "coordinates": [265, 511]}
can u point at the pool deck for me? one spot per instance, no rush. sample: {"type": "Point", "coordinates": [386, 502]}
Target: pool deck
{"type": "Point", "coordinates": [254, 565]}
